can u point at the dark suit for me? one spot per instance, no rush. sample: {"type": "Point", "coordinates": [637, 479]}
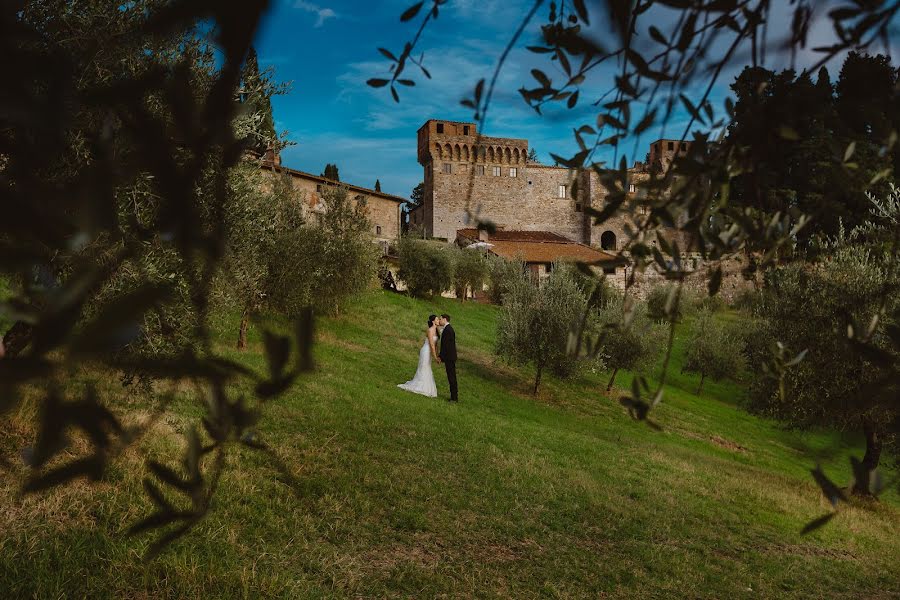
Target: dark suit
{"type": "Point", "coordinates": [448, 357]}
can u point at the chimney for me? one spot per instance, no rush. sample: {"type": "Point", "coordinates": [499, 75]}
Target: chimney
{"type": "Point", "coordinates": [271, 157]}
{"type": "Point", "coordinates": [483, 235]}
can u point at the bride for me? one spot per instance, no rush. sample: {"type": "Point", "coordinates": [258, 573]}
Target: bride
{"type": "Point", "coordinates": [423, 381]}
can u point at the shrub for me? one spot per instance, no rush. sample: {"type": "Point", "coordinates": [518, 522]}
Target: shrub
{"type": "Point", "coordinates": [535, 323]}
{"type": "Point", "coordinates": [714, 350]}
{"type": "Point", "coordinates": [661, 299]}
{"type": "Point", "coordinates": [713, 304]}
{"type": "Point", "coordinates": [812, 307]}
{"type": "Point", "coordinates": [747, 301]}
{"type": "Point", "coordinates": [470, 271]}
{"type": "Point", "coordinates": [426, 267]}
{"type": "Point", "coordinates": [324, 265]}
{"type": "Point", "coordinates": [627, 341]}
{"type": "Point", "coordinates": [503, 275]}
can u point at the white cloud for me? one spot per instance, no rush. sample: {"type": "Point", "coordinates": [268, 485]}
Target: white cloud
{"type": "Point", "coordinates": [322, 14]}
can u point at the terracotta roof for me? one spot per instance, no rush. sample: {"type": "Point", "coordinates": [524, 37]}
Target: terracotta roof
{"type": "Point", "coordinates": [516, 236]}
{"type": "Point", "coordinates": [319, 178]}
{"type": "Point", "coordinates": [538, 247]}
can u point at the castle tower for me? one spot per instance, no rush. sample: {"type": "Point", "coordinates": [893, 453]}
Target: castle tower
{"type": "Point", "coordinates": [662, 152]}
{"type": "Point", "coordinates": [456, 159]}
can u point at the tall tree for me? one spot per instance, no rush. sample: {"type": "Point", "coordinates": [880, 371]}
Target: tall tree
{"type": "Point", "coordinates": [254, 95]}
{"type": "Point", "coordinates": [536, 321]}
{"type": "Point", "coordinates": [416, 196]}
{"type": "Point", "coordinates": [331, 172]}
{"type": "Point", "coordinates": [810, 147]}
{"type": "Point", "coordinates": [533, 156]}
{"type": "Point", "coordinates": [377, 185]}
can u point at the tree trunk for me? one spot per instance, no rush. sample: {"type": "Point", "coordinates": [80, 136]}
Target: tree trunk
{"type": "Point", "coordinates": [245, 324]}
{"type": "Point", "coordinates": [612, 379]}
{"type": "Point", "coordinates": [17, 338]}
{"type": "Point", "coordinates": [863, 484]}
{"type": "Point", "coordinates": [700, 387]}
{"type": "Point", "coordinates": [537, 378]}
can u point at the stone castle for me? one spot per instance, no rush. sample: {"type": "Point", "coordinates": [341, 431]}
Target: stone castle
{"type": "Point", "coordinates": [514, 193]}
{"type": "Point", "coordinates": [539, 210]}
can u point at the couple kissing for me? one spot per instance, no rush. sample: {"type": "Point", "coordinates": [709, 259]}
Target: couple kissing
{"type": "Point", "coordinates": [439, 331]}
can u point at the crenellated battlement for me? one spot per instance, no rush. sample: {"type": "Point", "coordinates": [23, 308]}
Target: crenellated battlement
{"type": "Point", "coordinates": [460, 142]}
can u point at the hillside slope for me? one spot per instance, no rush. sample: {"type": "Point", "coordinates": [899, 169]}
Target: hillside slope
{"type": "Point", "coordinates": [502, 495]}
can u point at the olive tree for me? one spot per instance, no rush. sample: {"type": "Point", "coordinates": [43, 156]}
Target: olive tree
{"type": "Point", "coordinates": [323, 265]}
{"type": "Point", "coordinates": [714, 350]}
{"type": "Point", "coordinates": [503, 275]}
{"type": "Point", "coordinates": [828, 311]}
{"type": "Point", "coordinates": [426, 267]}
{"type": "Point", "coordinates": [470, 269]}
{"type": "Point", "coordinates": [628, 338]}
{"type": "Point", "coordinates": [536, 322]}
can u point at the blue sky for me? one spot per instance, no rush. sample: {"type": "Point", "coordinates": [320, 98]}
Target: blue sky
{"type": "Point", "coordinates": [328, 48]}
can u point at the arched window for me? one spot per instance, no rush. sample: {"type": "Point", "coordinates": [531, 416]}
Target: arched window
{"type": "Point", "coordinates": [608, 240]}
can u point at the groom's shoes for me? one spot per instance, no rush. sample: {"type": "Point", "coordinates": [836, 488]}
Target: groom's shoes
{"type": "Point", "coordinates": [453, 400]}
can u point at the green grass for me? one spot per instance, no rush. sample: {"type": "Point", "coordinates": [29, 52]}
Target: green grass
{"type": "Point", "coordinates": [502, 495]}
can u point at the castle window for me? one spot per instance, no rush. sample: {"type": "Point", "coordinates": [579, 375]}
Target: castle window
{"type": "Point", "coordinates": [671, 145]}
{"type": "Point", "coordinates": [448, 168]}
{"type": "Point", "coordinates": [608, 240]}
{"type": "Point", "coordinates": [496, 171]}
{"type": "Point", "coordinates": [318, 188]}
{"type": "Point", "coordinates": [465, 130]}
{"type": "Point", "coordinates": [578, 207]}
{"type": "Point", "coordinates": [513, 172]}
{"type": "Point", "coordinates": [683, 146]}
{"type": "Point", "coordinates": [631, 188]}
{"type": "Point", "coordinates": [378, 230]}
{"type": "Point", "coordinates": [479, 169]}
{"type": "Point", "coordinates": [440, 128]}
{"type": "Point", "coordinates": [561, 191]}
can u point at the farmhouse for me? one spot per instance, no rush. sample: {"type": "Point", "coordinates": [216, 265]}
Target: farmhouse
{"type": "Point", "coordinates": [383, 209]}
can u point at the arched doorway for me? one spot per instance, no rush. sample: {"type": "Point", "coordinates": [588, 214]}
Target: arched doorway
{"type": "Point", "coordinates": [608, 240]}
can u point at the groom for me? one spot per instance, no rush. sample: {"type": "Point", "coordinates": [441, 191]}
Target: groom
{"type": "Point", "coordinates": [447, 354]}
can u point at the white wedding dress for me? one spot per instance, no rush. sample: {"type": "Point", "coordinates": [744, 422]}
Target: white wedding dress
{"type": "Point", "coordinates": [423, 381]}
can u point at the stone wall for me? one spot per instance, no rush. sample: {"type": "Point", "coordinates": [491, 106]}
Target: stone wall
{"type": "Point", "coordinates": [460, 176]}
{"type": "Point", "coordinates": [697, 280]}
{"type": "Point", "coordinates": [382, 210]}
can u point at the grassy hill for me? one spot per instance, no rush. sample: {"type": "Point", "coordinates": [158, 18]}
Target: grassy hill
{"type": "Point", "coordinates": [502, 495]}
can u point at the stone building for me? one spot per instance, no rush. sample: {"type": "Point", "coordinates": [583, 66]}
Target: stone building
{"type": "Point", "coordinates": [539, 250]}
{"type": "Point", "coordinates": [491, 179]}
{"type": "Point", "coordinates": [383, 209]}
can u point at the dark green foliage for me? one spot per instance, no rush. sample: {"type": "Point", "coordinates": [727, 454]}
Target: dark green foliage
{"type": "Point", "coordinates": [838, 379]}
{"type": "Point", "coordinates": [627, 338]}
{"type": "Point", "coordinates": [503, 275]}
{"type": "Point", "coordinates": [255, 94]}
{"type": "Point", "coordinates": [536, 323]}
{"type": "Point", "coordinates": [425, 267]}
{"type": "Point", "coordinates": [331, 172]}
{"type": "Point", "coordinates": [323, 265]}
{"type": "Point", "coordinates": [377, 185]}
{"type": "Point", "coordinates": [116, 185]}
{"type": "Point", "coordinates": [715, 350]}
{"type": "Point", "coordinates": [533, 155]}
{"type": "Point", "coordinates": [470, 270]}
{"type": "Point", "coordinates": [668, 302]}
{"type": "Point", "coordinates": [797, 135]}
{"type": "Point", "coordinates": [417, 194]}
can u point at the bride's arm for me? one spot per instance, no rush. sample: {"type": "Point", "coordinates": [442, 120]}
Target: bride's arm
{"type": "Point", "coordinates": [431, 337]}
